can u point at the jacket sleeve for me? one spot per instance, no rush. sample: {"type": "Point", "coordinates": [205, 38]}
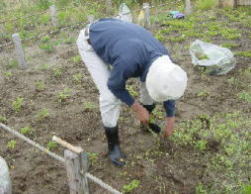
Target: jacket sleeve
{"type": "Point", "coordinates": [169, 106]}
{"type": "Point", "coordinates": [117, 82]}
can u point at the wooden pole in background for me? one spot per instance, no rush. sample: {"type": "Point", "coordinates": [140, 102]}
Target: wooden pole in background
{"type": "Point", "coordinates": [19, 51]}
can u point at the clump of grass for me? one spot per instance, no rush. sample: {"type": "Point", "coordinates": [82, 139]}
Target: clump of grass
{"type": "Point", "coordinates": [77, 78]}
{"type": "Point", "coordinates": [243, 53]}
{"type": "Point", "coordinates": [39, 85]}
{"type": "Point", "coordinates": [206, 4]}
{"type": "Point", "coordinates": [230, 45]}
{"type": "Point", "coordinates": [8, 74]}
{"type": "Point", "coordinates": [44, 67]}
{"type": "Point", "coordinates": [11, 144]}
{"type": "Point", "coordinates": [47, 47]}
{"type": "Point", "coordinates": [12, 64]}
{"type": "Point", "coordinates": [88, 106]}
{"type": "Point", "coordinates": [26, 130]}
{"type": "Point", "coordinates": [131, 186]}
{"type": "Point", "coordinates": [57, 72]}
{"type": "Point", "coordinates": [246, 96]}
{"type": "Point", "coordinates": [76, 59]}
{"type": "Point", "coordinates": [17, 104]}
{"type": "Point", "coordinates": [63, 95]}
{"type": "Point", "coordinates": [3, 119]}
{"type": "Point", "coordinates": [42, 114]}
{"type": "Point", "coordinates": [52, 145]}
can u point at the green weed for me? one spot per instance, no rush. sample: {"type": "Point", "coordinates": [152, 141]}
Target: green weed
{"type": "Point", "coordinates": [131, 186]}
{"type": "Point", "coordinates": [11, 144]}
{"type": "Point", "coordinates": [8, 74]}
{"type": "Point", "coordinates": [63, 95]}
{"type": "Point", "coordinates": [57, 72]}
{"type": "Point", "coordinates": [230, 45]}
{"type": "Point", "coordinates": [44, 67]}
{"type": "Point", "coordinates": [17, 104]}
{"type": "Point", "coordinates": [243, 53]}
{"type": "Point", "coordinates": [76, 59]}
{"type": "Point", "coordinates": [26, 130]}
{"type": "Point", "coordinates": [42, 114]}
{"type": "Point", "coordinates": [12, 64]}
{"type": "Point", "coordinates": [131, 89]}
{"type": "Point", "coordinates": [52, 145]}
{"type": "Point", "coordinates": [206, 5]}
{"type": "Point", "coordinates": [47, 47]}
{"type": "Point", "coordinates": [246, 96]}
{"type": "Point", "coordinates": [3, 119]}
{"type": "Point", "coordinates": [93, 157]}
{"type": "Point", "coordinates": [39, 85]}
{"type": "Point", "coordinates": [202, 94]}
{"type": "Point", "coordinates": [89, 106]}
{"type": "Point", "coordinates": [77, 78]}
{"type": "Point", "coordinates": [200, 189]}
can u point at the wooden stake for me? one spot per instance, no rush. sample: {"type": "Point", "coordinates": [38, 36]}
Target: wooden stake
{"type": "Point", "coordinates": [53, 12]}
{"type": "Point", "coordinates": [146, 7]}
{"type": "Point", "coordinates": [19, 51]}
{"type": "Point", "coordinates": [75, 167]}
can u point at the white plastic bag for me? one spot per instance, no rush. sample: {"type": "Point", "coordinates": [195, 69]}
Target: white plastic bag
{"type": "Point", "coordinates": [217, 60]}
{"type": "Point", "coordinates": [125, 13]}
{"type": "Point", "coordinates": [5, 183]}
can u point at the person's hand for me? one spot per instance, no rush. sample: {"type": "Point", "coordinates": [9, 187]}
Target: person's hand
{"type": "Point", "coordinates": [141, 113]}
{"type": "Point", "coordinates": [169, 126]}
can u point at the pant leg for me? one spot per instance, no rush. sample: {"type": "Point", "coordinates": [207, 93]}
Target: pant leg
{"type": "Point", "coordinates": [109, 104]}
{"type": "Point", "coordinates": [145, 98]}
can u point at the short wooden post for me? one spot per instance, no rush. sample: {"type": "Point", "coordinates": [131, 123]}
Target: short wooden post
{"type": "Point", "coordinates": [19, 51]}
{"type": "Point", "coordinates": [146, 8]}
{"type": "Point", "coordinates": [76, 167]}
{"type": "Point", "coordinates": [53, 12]}
{"type": "Point", "coordinates": [90, 18]}
{"type": "Point", "coordinates": [188, 7]}
{"type": "Point", "coordinates": [108, 5]}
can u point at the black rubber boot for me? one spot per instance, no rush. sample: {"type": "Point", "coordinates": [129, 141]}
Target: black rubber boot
{"type": "Point", "coordinates": [154, 127]}
{"type": "Point", "coordinates": [114, 152]}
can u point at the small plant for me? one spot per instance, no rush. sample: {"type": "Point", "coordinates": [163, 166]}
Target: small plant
{"type": "Point", "coordinates": [40, 85]}
{"type": "Point", "coordinates": [8, 74]}
{"type": "Point", "coordinates": [17, 104]}
{"type": "Point", "coordinates": [26, 130]}
{"type": "Point", "coordinates": [200, 189]}
{"type": "Point", "coordinates": [65, 94]}
{"type": "Point", "coordinates": [47, 47]}
{"type": "Point", "coordinates": [245, 96]}
{"type": "Point", "coordinates": [11, 144]}
{"type": "Point", "coordinates": [51, 145]}
{"type": "Point", "coordinates": [42, 114]}
{"type": "Point", "coordinates": [12, 64]}
{"type": "Point", "coordinates": [44, 67]}
{"type": "Point", "coordinates": [3, 119]}
{"type": "Point", "coordinates": [201, 145]}
{"type": "Point", "coordinates": [243, 53]}
{"type": "Point", "coordinates": [131, 186]}
{"type": "Point", "coordinates": [202, 94]}
{"type": "Point", "coordinates": [57, 72]}
{"type": "Point", "coordinates": [77, 77]}
{"type": "Point", "coordinates": [76, 59]}
{"type": "Point", "coordinates": [206, 5]}
{"type": "Point", "coordinates": [132, 91]}
{"type": "Point", "coordinates": [89, 106]}
{"type": "Point", "coordinates": [45, 39]}
{"type": "Point", "coordinates": [93, 157]}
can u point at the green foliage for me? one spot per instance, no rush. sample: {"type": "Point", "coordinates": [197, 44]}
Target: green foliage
{"type": "Point", "coordinates": [8, 74]}
{"type": "Point", "coordinates": [42, 114]}
{"type": "Point", "coordinates": [131, 186]}
{"type": "Point", "coordinates": [17, 104]}
{"type": "Point", "coordinates": [45, 39]}
{"type": "Point", "coordinates": [243, 53]}
{"type": "Point", "coordinates": [43, 4]}
{"type": "Point", "coordinates": [52, 145]}
{"type": "Point", "coordinates": [89, 106]}
{"type": "Point", "coordinates": [40, 85]}
{"type": "Point", "coordinates": [63, 95]}
{"type": "Point", "coordinates": [246, 189]}
{"type": "Point", "coordinates": [206, 4]}
{"type": "Point", "coordinates": [26, 130]}
{"type": "Point", "coordinates": [131, 89]}
{"type": "Point", "coordinates": [3, 119]}
{"type": "Point", "coordinates": [202, 94]}
{"type": "Point", "coordinates": [47, 47]}
{"type": "Point", "coordinates": [77, 78]}
{"type": "Point", "coordinates": [246, 96]}
{"type": "Point", "coordinates": [93, 157]}
{"type": "Point", "coordinates": [12, 64]}
{"type": "Point", "coordinates": [76, 59]}
{"type": "Point", "coordinates": [44, 67]}
{"type": "Point", "coordinates": [230, 45]}
{"type": "Point", "coordinates": [57, 72]}
{"type": "Point", "coordinates": [11, 144]}
{"type": "Point", "coordinates": [200, 189]}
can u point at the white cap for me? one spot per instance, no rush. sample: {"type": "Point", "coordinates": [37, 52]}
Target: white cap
{"type": "Point", "coordinates": [165, 80]}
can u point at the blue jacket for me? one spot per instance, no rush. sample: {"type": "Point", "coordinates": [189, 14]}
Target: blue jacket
{"type": "Point", "coordinates": [130, 49]}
